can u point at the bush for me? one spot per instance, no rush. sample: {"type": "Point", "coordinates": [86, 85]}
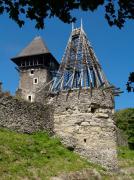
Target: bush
{"type": "Point", "coordinates": [125, 121]}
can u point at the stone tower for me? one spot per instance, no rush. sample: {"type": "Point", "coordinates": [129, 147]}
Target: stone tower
{"type": "Point", "coordinates": [83, 102]}
{"type": "Point", "coordinates": [36, 66]}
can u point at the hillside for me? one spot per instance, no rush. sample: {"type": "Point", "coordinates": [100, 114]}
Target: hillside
{"type": "Point", "coordinates": [39, 156]}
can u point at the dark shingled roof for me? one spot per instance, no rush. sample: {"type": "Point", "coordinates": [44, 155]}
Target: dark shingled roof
{"type": "Point", "coordinates": [36, 47]}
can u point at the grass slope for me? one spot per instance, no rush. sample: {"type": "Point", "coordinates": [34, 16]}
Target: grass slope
{"type": "Point", "coordinates": [126, 161]}
{"type": "Point", "coordinates": [24, 156]}
{"type": "Point", "coordinates": [38, 156]}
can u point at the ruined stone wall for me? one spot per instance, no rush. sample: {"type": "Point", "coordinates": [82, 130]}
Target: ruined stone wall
{"type": "Point", "coordinates": [85, 124]}
{"type": "Point", "coordinates": [25, 117]}
{"type": "Point", "coordinates": [83, 120]}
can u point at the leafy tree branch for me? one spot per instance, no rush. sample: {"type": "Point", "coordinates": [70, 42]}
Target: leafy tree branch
{"type": "Point", "coordinates": [116, 12]}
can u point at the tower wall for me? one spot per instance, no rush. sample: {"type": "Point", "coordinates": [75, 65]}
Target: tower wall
{"type": "Point", "coordinates": [86, 125]}
{"type": "Point", "coordinates": [31, 81]}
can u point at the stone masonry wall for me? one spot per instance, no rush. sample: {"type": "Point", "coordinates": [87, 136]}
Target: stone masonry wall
{"type": "Point", "coordinates": [83, 120]}
{"type": "Point", "coordinates": [85, 124]}
{"type": "Point", "coordinates": [25, 117]}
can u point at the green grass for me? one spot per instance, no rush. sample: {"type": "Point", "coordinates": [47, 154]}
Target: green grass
{"type": "Point", "coordinates": [126, 157]}
{"type": "Point", "coordinates": [126, 160]}
{"type": "Point", "coordinates": [125, 153]}
{"type": "Point", "coordinates": [35, 156]}
{"type": "Point", "coordinates": [39, 156]}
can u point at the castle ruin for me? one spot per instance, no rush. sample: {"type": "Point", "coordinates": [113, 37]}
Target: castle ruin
{"type": "Point", "coordinates": [80, 95]}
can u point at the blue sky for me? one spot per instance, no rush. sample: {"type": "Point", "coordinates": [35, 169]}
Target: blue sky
{"type": "Point", "coordinates": [113, 47]}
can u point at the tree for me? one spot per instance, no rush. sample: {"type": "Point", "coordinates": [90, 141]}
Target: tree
{"type": "Point", "coordinates": [116, 12]}
{"type": "Point", "coordinates": [125, 121]}
{"type": "Point", "coordinates": [130, 83]}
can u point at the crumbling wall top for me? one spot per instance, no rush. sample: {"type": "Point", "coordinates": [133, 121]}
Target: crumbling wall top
{"type": "Point", "coordinates": [98, 97]}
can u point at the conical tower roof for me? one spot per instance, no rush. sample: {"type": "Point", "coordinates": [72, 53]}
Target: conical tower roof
{"type": "Point", "coordinates": [80, 67]}
{"type": "Point", "coordinates": [36, 47]}
{"type": "Point", "coordinates": [35, 50]}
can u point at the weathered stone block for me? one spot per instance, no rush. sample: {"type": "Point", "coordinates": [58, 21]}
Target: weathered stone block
{"type": "Point", "coordinates": [101, 115]}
